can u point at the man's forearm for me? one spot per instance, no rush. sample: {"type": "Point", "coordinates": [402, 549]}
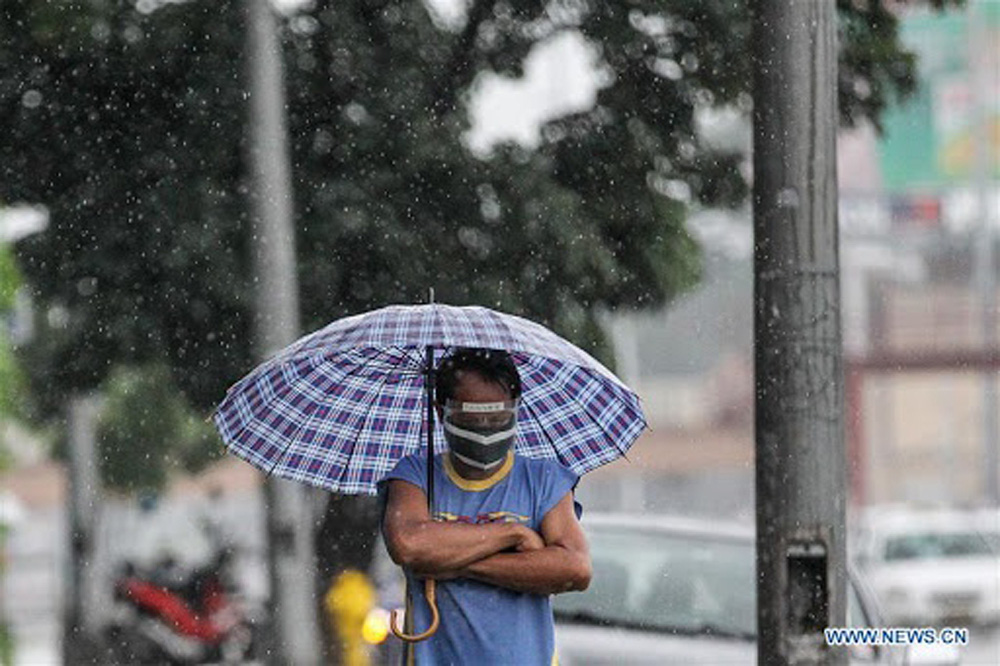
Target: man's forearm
{"type": "Point", "coordinates": [550, 570]}
{"type": "Point", "coordinates": [433, 547]}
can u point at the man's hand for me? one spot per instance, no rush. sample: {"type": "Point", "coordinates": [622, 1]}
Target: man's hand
{"type": "Point", "coordinates": [561, 565]}
{"type": "Point", "coordinates": [528, 540]}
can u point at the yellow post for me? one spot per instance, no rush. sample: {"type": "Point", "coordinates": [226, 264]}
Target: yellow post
{"type": "Point", "coordinates": [348, 601]}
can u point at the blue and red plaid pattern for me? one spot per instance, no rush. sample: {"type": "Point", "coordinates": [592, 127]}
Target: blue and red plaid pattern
{"type": "Point", "coordinates": [338, 408]}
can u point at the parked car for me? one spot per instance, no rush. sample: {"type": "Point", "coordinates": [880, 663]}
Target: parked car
{"type": "Point", "coordinates": [932, 567]}
{"type": "Point", "coordinates": [671, 590]}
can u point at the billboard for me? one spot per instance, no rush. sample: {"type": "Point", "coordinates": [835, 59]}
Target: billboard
{"type": "Point", "coordinates": [931, 140]}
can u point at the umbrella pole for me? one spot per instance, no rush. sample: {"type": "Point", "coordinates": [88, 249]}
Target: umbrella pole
{"type": "Point", "coordinates": [430, 591]}
{"type": "Point", "coordinates": [430, 430]}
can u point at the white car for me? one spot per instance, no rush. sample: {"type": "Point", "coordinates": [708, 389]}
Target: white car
{"type": "Point", "coordinates": [932, 567]}
{"type": "Point", "coordinates": [681, 591]}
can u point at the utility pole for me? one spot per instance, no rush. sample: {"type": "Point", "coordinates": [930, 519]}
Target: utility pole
{"type": "Point", "coordinates": [800, 472]}
{"type": "Point", "coordinates": [83, 610]}
{"type": "Point", "coordinates": [291, 559]}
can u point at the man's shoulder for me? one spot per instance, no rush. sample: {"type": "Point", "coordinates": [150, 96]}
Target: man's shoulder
{"type": "Point", "coordinates": [549, 481]}
{"type": "Point", "coordinates": [418, 459]}
{"type": "Point", "coordinates": [539, 463]}
{"type": "Point", "coordinates": [538, 467]}
{"type": "Point", "coordinates": [408, 468]}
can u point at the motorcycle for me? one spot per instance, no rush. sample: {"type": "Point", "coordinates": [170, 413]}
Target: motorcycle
{"type": "Point", "coordinates": [167, 616]}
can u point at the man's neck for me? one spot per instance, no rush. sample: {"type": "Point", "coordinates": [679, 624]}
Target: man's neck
{"type": "Point", "coordinates": [471, 473]}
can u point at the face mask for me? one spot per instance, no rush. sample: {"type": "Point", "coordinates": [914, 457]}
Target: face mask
{"type": "Point", "coordinates": [480, 433]}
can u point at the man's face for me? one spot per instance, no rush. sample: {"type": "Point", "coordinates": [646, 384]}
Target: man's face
{"type": "Point", "coordinates": [471, 387]}
{"type": "Point", "coordinates": [479, 421]}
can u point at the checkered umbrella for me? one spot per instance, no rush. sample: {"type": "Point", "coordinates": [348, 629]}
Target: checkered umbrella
{"type": "Point", "coordinates": [338, 408]}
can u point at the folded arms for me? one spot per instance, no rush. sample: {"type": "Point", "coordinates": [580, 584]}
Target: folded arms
{"type": "Point", "coordinates": [507, 555]}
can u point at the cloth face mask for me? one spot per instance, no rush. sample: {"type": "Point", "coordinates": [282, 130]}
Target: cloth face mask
{"type": "Point", "coordinates": [480, 433]}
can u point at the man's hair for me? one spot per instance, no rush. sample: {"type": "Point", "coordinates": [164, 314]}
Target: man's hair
{"type": "Point", "coordinates": [494, 365]}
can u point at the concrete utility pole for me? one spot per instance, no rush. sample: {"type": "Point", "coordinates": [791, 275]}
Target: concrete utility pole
{"type": "Point", "coordinates": [801, 573]}
{"type": "Point", "coordinates": [294, 604]}
{"type": "Point", "coordinates": [83, 610]}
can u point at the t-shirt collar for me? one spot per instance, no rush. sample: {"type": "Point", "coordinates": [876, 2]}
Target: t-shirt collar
{"type": "Point", "coordinates": [478, 484]}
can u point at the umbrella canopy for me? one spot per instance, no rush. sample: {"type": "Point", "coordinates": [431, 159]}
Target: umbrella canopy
{"type": "Point", "coordinates": [338, 408]}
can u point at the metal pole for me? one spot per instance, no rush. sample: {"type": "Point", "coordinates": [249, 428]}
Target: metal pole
{"type": "Point", "coordinates": [429, 388]}
{"type": "Point", "coordinates": [800, 471]}
{"type": "Point", "coordinates": [292, 566]}
{"type": "Point", "coordinates": [982, 65]}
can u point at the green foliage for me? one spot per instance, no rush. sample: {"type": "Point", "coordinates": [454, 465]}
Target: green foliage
{"type": "Point", "coordinates": [874, 71]}
{"type": "Point", "coordinates": [11, 379]}
{"type": "Point", "coordinates": [10, 278]}
{"type": "Point", "coordinates": [144, 248]}
{"type": "Point", "coordinates": [147, 431]}
{"type": "Point", "coordinates": [129, 128]}
{"type": "Point", "coordinates": [6, 640]}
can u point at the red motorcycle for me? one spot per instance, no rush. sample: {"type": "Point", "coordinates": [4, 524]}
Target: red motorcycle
{"type": "Point", "coordinates": [165, 618]}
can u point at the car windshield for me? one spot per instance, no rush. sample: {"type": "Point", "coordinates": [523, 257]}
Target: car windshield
{"type": "Point", "coordinates": [993, 539]}
{"type": "Point", "coordinates": [933, 545]}
{"type": "Point", "coordinates": [667, 582]}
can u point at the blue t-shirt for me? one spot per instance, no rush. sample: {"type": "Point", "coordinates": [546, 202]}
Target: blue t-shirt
{"type": "Point", "coordinates": [482, 623]}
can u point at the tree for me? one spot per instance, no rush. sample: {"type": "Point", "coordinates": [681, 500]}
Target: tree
{"type": "Point", "coordinates": [109, 130]}
{"type": "Point", "coordinates": [127, 123]}
{"type": "Point", "coordinates": [147, 431]}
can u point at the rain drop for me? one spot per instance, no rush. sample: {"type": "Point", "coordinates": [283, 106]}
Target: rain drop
{"type": "Point", "coordinates": [86, 286]}
{"type": "Point", "coordinates": [31, 99]}
{"type": "Point", "coordinates": [788, 197]}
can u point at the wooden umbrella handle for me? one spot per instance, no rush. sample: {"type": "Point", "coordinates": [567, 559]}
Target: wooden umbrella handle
{"type": "Point", "coordinates": [430, 591]}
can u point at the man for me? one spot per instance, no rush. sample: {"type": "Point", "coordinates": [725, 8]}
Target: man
{"type": "Point", "coordinates": [504, 535]}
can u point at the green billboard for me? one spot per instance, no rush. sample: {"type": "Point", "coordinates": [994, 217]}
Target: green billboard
{"type": "Point", "coordinates": [930, 141]}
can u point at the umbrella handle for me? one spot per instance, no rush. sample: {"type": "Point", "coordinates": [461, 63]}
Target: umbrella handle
{"type": "Point", "coordinates": [430, 591]}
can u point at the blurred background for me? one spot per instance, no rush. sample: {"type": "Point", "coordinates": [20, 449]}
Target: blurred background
{"type": "Point", "coordinates": [584, 164]}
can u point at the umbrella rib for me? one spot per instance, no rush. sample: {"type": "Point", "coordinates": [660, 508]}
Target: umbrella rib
{"type": "Point", "coordinates": [555, 448]}
{"type": "Point", "coordinates": [600, 426]}
{"type": "Point", "coordinates": [383, 351]}
{"type": "Point", "coordinates": [406, 351]}
{"type": "Point", "coordinates": [614, 441]}
{"type": "Point", "coordinates": [288, 388]}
